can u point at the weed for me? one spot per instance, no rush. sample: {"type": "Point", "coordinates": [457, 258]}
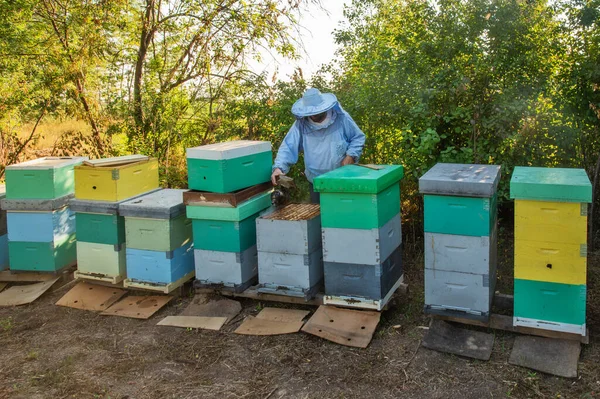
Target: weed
{"type": "Point", "coordinates": [6, 324]}
{"type": "Point", "coordinates": [32, 355]}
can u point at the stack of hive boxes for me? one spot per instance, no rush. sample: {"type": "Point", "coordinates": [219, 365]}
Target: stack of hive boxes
{"type": "Point", "coordinates": [290, 256]}
{"type": "Point", "coordinates": [100, 186]}
{"type": "Point", "coordinates": [160, 254]}
{"type": "Point", "coordinates": [3, 233]}
{"type": "Point", "coordinates": [225, 232]}
{"type": "Point", "coordinates": [362, 235]}
{"type": "Point", "coordinates": [460, 238]}
{"type": "Point", "coordinates": [550, 248]}
{"type": "Point", "coordinates": [41, 226]}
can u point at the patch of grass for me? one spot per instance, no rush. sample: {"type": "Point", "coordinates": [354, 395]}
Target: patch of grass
{"type": "Point", "coordinates": [32, 355]}
{"type": "Point", "coordinates": [6, 324]}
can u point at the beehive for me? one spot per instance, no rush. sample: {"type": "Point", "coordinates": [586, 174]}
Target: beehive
{"type": "Point", "coordinates": [43, 178]}
{"type": "Point", "coordinates": [159, 238]}
{"type": "Point", "coordinates": [550, 247]}
{"type": "Point", "coordinates": [460, 238]}
{"type": "Point", "coordinates": [361, 234]}
{"type": "Point", "coordinates": [290, 258]}
{"type": "Point", "coordinates": [100, 240]}
{"type": "Point", "coordinates": [34, 227]}
{"type": "Point", "coordinates": [229, 166]}
{"type": "Point", "coordinates": [116, 179]}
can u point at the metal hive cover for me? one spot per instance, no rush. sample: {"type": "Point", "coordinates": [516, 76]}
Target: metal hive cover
{"type": "Point", "coordinates": [161, 204]}
{"type": "Point", "coordinates": [467, 180]}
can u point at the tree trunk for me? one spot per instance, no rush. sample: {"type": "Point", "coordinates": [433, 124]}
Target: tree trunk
{"type": "Point", "coordinates": [95, 130]}
{"type": "Point", "coordinates": [145, 40]}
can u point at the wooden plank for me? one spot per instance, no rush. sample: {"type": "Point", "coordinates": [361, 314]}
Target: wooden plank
{"type": "Point", "coordinates": [231, 199]}
{"type": "Point", "coordinates": [253, 293]}
{"type": "Point", "coordinates": [164, 288]}
{"type": "Point", "coordinates": [505, 323]}
{"type": "Point", "coordinates": [127, 159]}
{"type": "Point", "coordinates": [15, 277]}
{"type": "Point", "coordinates": [24, 294]}
{"type": "Point", "coordinates": [205, 323]}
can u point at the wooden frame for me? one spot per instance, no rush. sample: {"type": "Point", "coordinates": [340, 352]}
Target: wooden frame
{"type": "Point", "coordinates": [229, 199]}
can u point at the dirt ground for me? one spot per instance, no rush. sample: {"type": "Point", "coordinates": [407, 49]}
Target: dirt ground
{"type": "Point", "coordinates": [53, 352]}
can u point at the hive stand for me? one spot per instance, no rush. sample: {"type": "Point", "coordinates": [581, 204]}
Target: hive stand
{"type": "Point", "coordinates": [496, 321]}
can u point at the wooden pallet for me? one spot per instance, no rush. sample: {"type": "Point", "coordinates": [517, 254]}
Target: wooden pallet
{"type": "Point", "coordinates": [254, 293]}
{"type": "Point", "coordinates": [15, 276]}
{"type": "Point", "coordinates": [505, 323]}
{"type": "Point", "coordinates": [155, 287]}
{"type": "Point", "coordinates": [228, 199]}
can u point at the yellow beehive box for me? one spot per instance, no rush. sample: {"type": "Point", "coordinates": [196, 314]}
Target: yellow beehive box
{"type": "Point", "coordinates": [560, 222]}
{"type": "Point", "coordinates": [116, 179]}
{"type": "Point", "coordinates": [551, 262]}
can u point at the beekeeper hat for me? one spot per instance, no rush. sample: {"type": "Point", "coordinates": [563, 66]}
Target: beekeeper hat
{"type": "Point", "coordinates": [313, 102]}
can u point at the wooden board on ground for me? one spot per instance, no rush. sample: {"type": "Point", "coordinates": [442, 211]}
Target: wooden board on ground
{"type": "Point", "coordinates": [273, 321]}
{"type": "Point", "coordinates": [343, 326]}
{"type": "Point", "coordinates": [205, 323]}
{"type": "Point", "coordinates": [219, 307]}
{"type": "Point", "coordinates": [138, 307]}
{"type": "Point", "coordinates": [25, 277]}
{"type": "Point", "coordinates": [502, 322]}
{"type": "Point", "coordinates": [94, 297]}
{"type": "Point", "coordinates": [553, 356]}
{"type": "Point", "coordinates": [227, 199]}
{"type": "Point", "coordinates": [444, 337]}
{"type": "Point", "coordinates": [24, 294]}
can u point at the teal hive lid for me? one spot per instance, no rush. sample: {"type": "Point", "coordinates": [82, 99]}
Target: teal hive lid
{"type": "Point", "coordinates": [550, 184]}
{"type": "Point", "coordinates": [359, 179]}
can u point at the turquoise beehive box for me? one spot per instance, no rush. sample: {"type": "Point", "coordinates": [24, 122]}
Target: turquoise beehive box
{"type": "Point", "coordinates": [3, 233]}
{"type": "Point", "coordinates": [43, 178]}
{"type": "Point", "coordinates": [229, 166]}
{"type": "Point", "coordinates": [359, 197]}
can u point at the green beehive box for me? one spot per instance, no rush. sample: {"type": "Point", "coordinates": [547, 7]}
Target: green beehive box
{"type": "Point", "coordinates": [359, 197]}
{"type": "Point", "coordinates": [550, 184]}
{"type": "Point", "coordinates": [225, 236]}
{"type": "Point", "coordinates": [229, 166]}
{"type": "Point", "coordinates": [42, 256]}
{"type": "Point", "coordinates": [552, 302]}
{"type": "Point", "coordinates": [162, 235]}
{"type": "Point", "coordinates": [242, 211]}
{"type": "Point", "coordinates": [468, 216]}
{"type": "Point", "coordinates": [360, 211]}
{"type": "Point", "coordinates": [43, 178]}
{"type": "Point", "coordinates": [368, 179]}
{"type": "Point", "coordinates": [100, 228]}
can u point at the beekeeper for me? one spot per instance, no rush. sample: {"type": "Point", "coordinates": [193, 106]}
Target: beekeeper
{"type": "Point", "coordinates": [325, 133]}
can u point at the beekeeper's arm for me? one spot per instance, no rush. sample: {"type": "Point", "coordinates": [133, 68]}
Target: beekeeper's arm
{"type": "Point", "coordinates": [287, 155]}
